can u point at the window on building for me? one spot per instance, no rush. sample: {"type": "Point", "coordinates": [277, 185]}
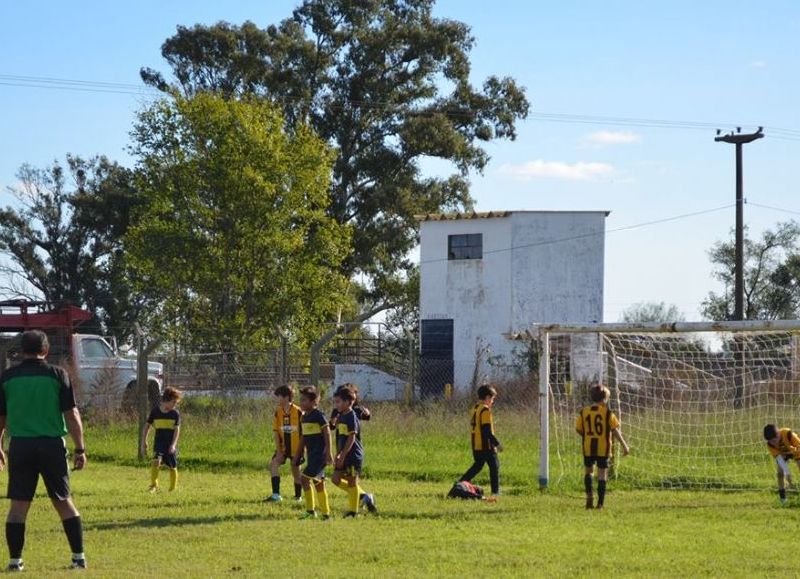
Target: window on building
{"type": "Point", "coordinates": [467, 246]}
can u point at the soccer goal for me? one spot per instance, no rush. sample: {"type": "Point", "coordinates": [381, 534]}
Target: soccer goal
{"type": "Point", "coordinates": [693, 399]}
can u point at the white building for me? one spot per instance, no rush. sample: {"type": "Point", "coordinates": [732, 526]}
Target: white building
{"type": "Point", "coordinates": [485, 275]}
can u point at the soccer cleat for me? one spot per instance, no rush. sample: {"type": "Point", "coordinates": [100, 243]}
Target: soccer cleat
{"type": "Point", "coordinates": [350, 515]}
{"type": "Point", "coordinates": [15, 567]}
{"type": "Point", "coordinates": [326, 517]}
{"type": "Point", "coordinates": [152, 488]}
{"type": "Point", "coordinates": [784, 501]}
{"type": "Point", "coordinates": [78, 564]}
{"type": "Point", "coordinates": [308, 515]}
{"type": "Point", "coordinates": [599, 507]}
{"type": "Point", "coordinates": [298, 499]}
{"type": "Point", "coordinates": [368, 500]}
{"type": "Point", "coordinates": [274, 498]}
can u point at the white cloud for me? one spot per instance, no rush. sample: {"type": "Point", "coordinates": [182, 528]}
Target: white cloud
{"type": "Point", "coordinates": [580, 171]}
{"type": "Point", "coordinates": [611, 138]}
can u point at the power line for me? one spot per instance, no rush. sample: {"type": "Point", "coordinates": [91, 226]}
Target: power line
{"type": "Point", "coordinates": [762, 206]}
{"type": "Point", "coordinates": [27, 81]}
{"type": "Point", "coordinates": [594, 234]}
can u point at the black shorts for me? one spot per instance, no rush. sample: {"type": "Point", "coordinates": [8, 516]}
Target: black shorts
{"type": "Point", "coordinates": [315, 469]}
{"type": "Point", "coordinates": [30, 457]}
{"type": "Point", "coordinates": [168, 459]}
{"type": "Point", "coordinates": [602, 461]}
{"type": "Point", "coordinates": [350, 468]}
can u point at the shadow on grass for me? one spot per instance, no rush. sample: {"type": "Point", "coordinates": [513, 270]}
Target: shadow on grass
{"type": "Point", "coordinates": [179, 521]}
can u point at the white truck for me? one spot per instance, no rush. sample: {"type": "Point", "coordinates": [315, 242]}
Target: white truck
{"type": "Point", "coordinates": [101, 377]}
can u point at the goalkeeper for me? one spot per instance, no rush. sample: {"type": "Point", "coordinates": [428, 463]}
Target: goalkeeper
{"type": "Point", "coordinates": [784, 446]}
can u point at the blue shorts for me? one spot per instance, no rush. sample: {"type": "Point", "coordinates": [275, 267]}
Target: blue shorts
{"type": "Point", "coordinates": [167, 458]}
{"type": "Point", "coordinates": [315, 468]}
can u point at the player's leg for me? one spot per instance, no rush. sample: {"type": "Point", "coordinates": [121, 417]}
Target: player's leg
{"type": "Point", "coordinates": [308, 495]}
{"type": "Point", "coordinates": [298, 486]}
{"type": "Point", "coordinates": [55, 474]}
{"type": "Point", "coordinates": [588, 475]}
{"type": "Point", "coordinates": [171, 460]}
{"type": "Point", "coordinates": [602, 479]}
{"type": "Point", "coordinates": [494, 471]}
{"type": "Point", "coordinates": [23, 476]}
{"type": "Point", "coordinates": [322, 498]}
{"type": "Point", "coordinates": [781, 485]}
{"type": "Point", "coordinates": [478, 460]}
{"type": "Point", "coordinates": [352, 492]}
{"type": "Point", "coordinates": [155, 466]}
{"type": "Point", "coordinates": [275, 474]}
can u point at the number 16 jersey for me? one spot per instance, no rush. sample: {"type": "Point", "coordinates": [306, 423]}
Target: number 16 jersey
{"type": "Point", "coordinates": [595, 423]}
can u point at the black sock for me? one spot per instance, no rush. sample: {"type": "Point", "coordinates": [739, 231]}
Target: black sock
{"type": "Point", "coordinates": [74, 530]}
{"type": "Point", "coordinates": [15, 537]}
{"type": "Point", "coordinates": [276, 485]}
{"type": "Point", "coordinates": [587, 484]}
{"type": "Point", "coordinates": [601, 492]}
{"type": "Point", "coordinates": [298, 491]}
{"type": "Point", "coordinates": [782, 493]}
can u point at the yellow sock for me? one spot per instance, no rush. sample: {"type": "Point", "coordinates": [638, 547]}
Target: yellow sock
{"type": "Point", "coordinates": [154, 475]}
{"type": "Point", "coordinates": [352, 497]}
{"type": "Point", "coordinates": [308, 494]}
{"type": "Point", "coordinates": [173, 479]}
{"type": "Point", "coordinates": [322, 497]}
{"type": "Point", "coordinates": [360, 490]}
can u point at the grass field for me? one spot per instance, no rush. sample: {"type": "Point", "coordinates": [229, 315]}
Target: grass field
{"type": "Point", "coordinates": [215, 525]}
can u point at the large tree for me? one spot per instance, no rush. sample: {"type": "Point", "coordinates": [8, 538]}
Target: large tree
{"type": "Point", "coordinates": [388, 86]}
{"type": "Point", "coordinates": [235, 241]}
{"type": "Point", "coordinates": [651, 312]}
{"type": "Point", "coordinates": [63, 241]}
{"type": "Point", "coordinates": [771, 276]}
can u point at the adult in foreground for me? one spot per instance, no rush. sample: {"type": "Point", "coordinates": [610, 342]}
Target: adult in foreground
{"type": "Point", "coordinates": [37, 406]}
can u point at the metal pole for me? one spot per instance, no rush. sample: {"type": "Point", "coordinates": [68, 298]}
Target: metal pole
{"type": "Point", "coordinates": [738, 309]}
{"type": "Point", "coordinates": [544, 410]}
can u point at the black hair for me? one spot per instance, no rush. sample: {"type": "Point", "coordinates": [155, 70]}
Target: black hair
{"type": "Point", "coordinates": [34, 342]}
{"type": "Point", "coordinates": [770, 432]}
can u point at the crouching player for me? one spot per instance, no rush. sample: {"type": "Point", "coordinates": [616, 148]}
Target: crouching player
{"type": "Point", "coordinates": [350, 453]}
{"type": "Point", "coordinates": [597, 424]}
{"type": "Point", "coordinates": [784, 446]}
{"type": "Point", "coordinates": [316, 442]}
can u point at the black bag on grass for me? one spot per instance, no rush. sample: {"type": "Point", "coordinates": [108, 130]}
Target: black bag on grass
{"type": "Point", "coordinates": [465, 490]}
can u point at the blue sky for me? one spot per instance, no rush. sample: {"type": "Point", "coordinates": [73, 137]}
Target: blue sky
{"type": "Point", "coordinates": [732, 63]}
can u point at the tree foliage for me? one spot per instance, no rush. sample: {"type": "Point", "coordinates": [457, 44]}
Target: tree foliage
{"type": "Point", "coordinates": [64, 239]}
{"type": "Point", "coordinates": [771, 276]}
{"type": "Point", "coordinates": [651, 312]}
{"type": "Point", "coordinates": [388, 86]}
{"type": "Point", "coordinates": [235, 240]}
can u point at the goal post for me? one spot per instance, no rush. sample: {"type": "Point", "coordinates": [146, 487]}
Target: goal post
{"type": "Point", "coordinates": [692, 397]}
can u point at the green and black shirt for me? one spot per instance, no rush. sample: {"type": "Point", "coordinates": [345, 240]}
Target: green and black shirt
{"type": "Point", "coordinates": [34, 396]}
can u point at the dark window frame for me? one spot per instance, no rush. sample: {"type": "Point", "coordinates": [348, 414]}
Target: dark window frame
{"type": "Point", "coordinates": [464, 246]}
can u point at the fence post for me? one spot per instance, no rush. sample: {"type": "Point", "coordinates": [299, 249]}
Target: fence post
{"type": "Point", "coordinates": [544, 409]}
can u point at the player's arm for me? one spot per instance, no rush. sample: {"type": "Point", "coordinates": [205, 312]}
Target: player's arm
{"type": "Point", "coordinates": [72, 418]}
{"type": "Point", "coordinates": [348, 444]}
{"type": "Point", "coordinates": [3, 423]}
{"type": "Point", "coordinates": [176, 433]}
{"type": "Point", "coordinates": [579, 425]}
{"type": "Point", "coordinates": [326, 437]}
{"type": "Point", "coordinates": [298, 455]}
{"type": "Point", "coordinates": [617, 434]}
{"type": "Point", "coordinates": [364, 413]}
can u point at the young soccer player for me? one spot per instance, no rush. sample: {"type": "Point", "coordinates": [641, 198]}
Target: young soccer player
{"type": "Point", "coordinates": [350, 454]}
{"type": "Point", "coordinates": [597, 424]}
{"type": "Point", "coordinates": [784, 446]}
{"type": "Point", "coordinates": [316, 442]}
{"type": "Point", "coordinates": [286, 429]}
{"type": "Point", "coordinates": [362, 412]}
{"type": "Point", "coordinates": [485, 445]}
{"type": "Point", "coordinates": [166, 421]}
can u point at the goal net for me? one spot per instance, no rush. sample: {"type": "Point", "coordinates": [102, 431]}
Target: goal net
{"type": "Point", "coordinates": [693, 399]}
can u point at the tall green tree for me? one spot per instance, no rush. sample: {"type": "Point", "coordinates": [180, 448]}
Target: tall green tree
{"type": "Point", "coordinates": [771, 276]}
{"type": "Point", "coordinates": [387, 85]}
{"type": "Point", "coordinates": [235, 240]}
{"type": "Point", "coordinates": [63, 241]}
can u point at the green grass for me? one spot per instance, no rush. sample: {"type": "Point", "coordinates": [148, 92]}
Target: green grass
{"type": "Point", "coordinates": [217, 526]}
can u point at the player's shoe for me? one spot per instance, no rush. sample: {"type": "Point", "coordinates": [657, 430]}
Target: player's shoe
{"type": "Point", "coordinates": [308, 515]}
{"type": "Point", "coordinates": [350, 515]}
{"type": "Point", "coordinates": [15, 567]}
{"type": "Point", "coordinates": [368, 500]}
{"type": "Point", "coordinates": [274, 498]}
{"type": "Point", "coordinates": [784, 501]}
{"type": "Point", "coordinates": [599, 507]}
{"type": "Point", "coordinates": [78, 564]}
{"type": "Point", "coordinates": [152, 488]}
{"type": "Point", "coordinates": [298, 499]}
{"type": "Point", "coordinates": [326, 517]}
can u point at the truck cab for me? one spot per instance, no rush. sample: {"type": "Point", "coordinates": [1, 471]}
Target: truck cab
{"type": "Point", "coordinates": [101, 378]}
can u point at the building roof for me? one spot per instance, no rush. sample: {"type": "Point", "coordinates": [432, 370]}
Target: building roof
{"type": "Point", "coordinates": [490, 214]}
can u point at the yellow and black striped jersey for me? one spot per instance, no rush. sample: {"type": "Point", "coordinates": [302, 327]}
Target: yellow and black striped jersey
{"type": "Point", "coordinates": [788, 444]}
{"type": "Point", "coordinates": [287, 425]}
{"type": "Point", "coordinates": [482, 428]}
{"type": "Point", "coordinates": [595, 424]}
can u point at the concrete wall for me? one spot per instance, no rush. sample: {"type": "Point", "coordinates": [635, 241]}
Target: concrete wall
{"type": "Point", "coordinates": [373, 384]}
{"type": "Point", "coordinates": [553, 274]}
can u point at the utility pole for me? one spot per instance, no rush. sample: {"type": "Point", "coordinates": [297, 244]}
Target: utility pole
{"type": "Point", "coordinates": [738, 138]}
